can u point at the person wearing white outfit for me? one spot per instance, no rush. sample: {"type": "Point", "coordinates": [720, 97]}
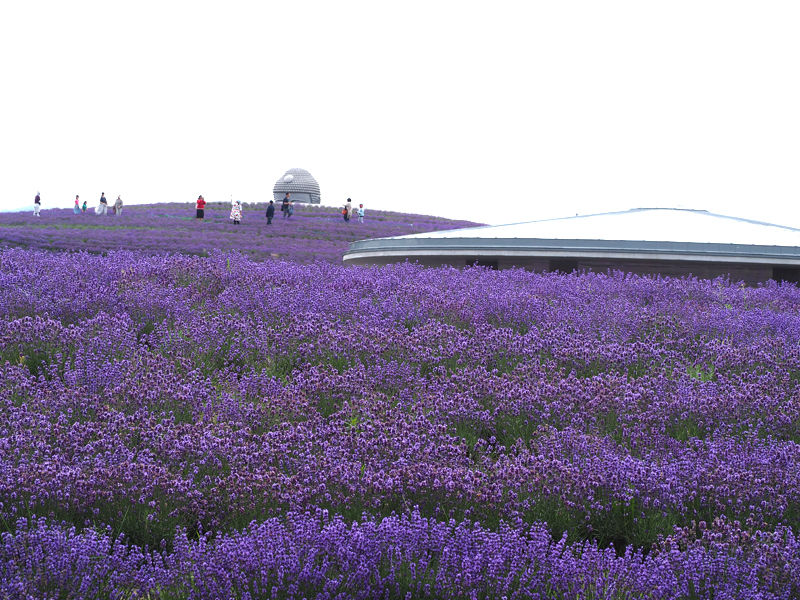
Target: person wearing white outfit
{"type": "Point", "coordinates": [236, 212]}
{"type": "Point", "coordinates": [37, 205]}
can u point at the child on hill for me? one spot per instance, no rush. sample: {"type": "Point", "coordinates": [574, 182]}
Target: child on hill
{"type": "Point", "coordinates": [236, 212]}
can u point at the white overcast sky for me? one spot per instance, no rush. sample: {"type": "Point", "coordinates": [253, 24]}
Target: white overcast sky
{"type": "Point", "coordinates": [492, 111]}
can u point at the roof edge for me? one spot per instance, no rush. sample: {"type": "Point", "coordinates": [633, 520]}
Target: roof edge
{"type": "Point", "coordinates": [534, 246]}
{"type": "Point", "coordinates": [635, 256]}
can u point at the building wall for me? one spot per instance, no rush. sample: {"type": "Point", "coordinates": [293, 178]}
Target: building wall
{"type": "Point", "coordinates": [750, 274]}
{"type": "Point", "coordinates": [297, 197]}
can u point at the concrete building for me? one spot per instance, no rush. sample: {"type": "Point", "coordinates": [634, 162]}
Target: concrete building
{"type": "Point", "coordinates": [666, 241]}
{"type": "Point", "coordinates": [300, 184]}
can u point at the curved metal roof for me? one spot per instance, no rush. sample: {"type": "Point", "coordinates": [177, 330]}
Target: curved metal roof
{"type": "Point", "coordinates": [640, 233]}
{"type": "Point", "coordinates": [301, 182]}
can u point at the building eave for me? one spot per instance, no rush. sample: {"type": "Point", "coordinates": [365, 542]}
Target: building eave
{"type": "Point", "coordinates": [399, 248]}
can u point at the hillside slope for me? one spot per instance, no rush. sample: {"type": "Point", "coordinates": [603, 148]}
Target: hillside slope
{"type": "Point", "coordinates": [312, 233]}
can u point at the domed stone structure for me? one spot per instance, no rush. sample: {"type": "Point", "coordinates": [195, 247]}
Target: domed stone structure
{"type": "Point", "coordinates": [300, 184]}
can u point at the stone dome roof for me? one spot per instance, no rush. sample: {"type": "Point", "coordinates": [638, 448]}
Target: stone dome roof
{"type": "Point", "coordinates": [301, 182]}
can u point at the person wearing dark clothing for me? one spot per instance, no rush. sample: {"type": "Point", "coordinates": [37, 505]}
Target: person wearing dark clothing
{"type": "Point", "coordinates": [285, 206]}
{"type": "Point", "coordinates": [37, 205]}
{"type": "Point", "coordinates": [348, 208]}
{"type": "Point", "coordinates": [102, 209]}
{"type": "Point", "coordinates": [270, 212]}
{"type": "Point", "coordinates": [201, 207]}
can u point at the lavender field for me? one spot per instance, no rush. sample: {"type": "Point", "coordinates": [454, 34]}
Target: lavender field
{"type": "Point", "coordinates": [312, 233]}
{"type": "Point", "coordinates": [219, 427]}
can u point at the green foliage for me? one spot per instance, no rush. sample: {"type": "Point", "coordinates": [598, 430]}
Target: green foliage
{"type": "Point", "coordinates": [701, 372]}
{"type": "Point", "coordinates": [684, 429]}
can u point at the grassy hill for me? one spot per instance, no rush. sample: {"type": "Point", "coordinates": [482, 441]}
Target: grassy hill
{"type": "Point", "coordinates": [312, 233]}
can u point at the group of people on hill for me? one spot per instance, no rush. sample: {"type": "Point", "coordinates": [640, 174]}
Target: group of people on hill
{"type": "Point", "coordinates": [236, 210]}
{"type": "Point", "coordinates": [78, 209]}
{"type": "Point", "coordinates": [349, 211]}
{"type": "Point", "coordinates": [102, 209]}
{"type": "Point", "coordinates": [287, 208]}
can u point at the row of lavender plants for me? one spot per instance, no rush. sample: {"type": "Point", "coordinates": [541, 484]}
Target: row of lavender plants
{"type": "Point", "coordinates": [312, 233]}
{"type": "Point", "coordinates": [191, 427]}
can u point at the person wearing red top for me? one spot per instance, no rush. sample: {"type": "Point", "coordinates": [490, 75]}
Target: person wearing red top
{"type": "Point", "coordinates": [201, 207]}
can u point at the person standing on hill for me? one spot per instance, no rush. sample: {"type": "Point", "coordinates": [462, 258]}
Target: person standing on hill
{"type": "Point", "coordinates": [360, 213]}
{"type": "Point", "coordinates": [236, 212]}
{"type": "Point", "coordinates": [118, 206]}
{"type": "Point", "coordinates": [76, 209]}
{"type": "Point", "coordinates": [270, 212]}
{"type": "Point", "coordinates": [285, 206]}
{"type": "Point", "coordinates": [37, 205]}
{"type": "Point", "coordinates": [83, 208]}
{"type": "Point", "coordinates": [103, 207]}
{"type": "Point", "coordinates": [201, 207]}
{"type": "Point", "coordinates": [348, 208]}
